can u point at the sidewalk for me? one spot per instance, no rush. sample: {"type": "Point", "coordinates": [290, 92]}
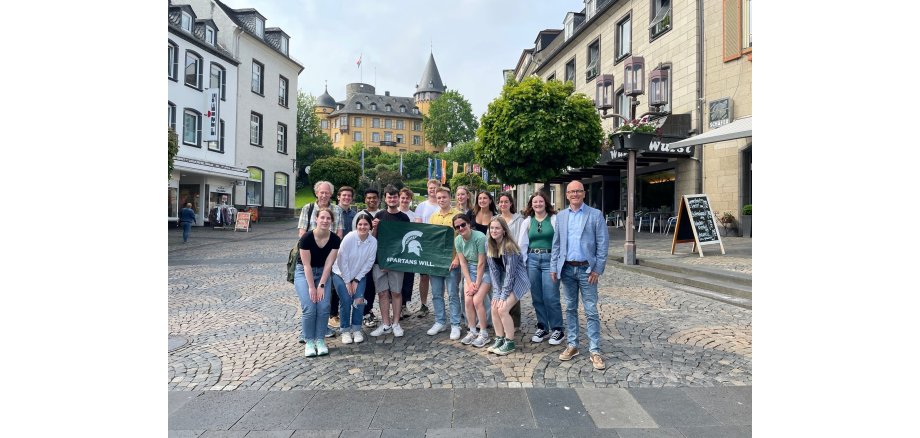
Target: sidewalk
{"type": "Point", "coordinates": [462, 413]}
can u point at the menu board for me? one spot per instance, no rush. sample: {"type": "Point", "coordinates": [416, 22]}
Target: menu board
{"type": "Point", "coordinates": [242, 221]}
{"type": "Point", "coordinates": [696, 223]}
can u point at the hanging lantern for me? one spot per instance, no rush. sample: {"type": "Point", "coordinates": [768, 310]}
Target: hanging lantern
{"type": "Point", "coordinates": [634, 79]}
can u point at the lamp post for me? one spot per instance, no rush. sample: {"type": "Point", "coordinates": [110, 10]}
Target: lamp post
{"type": "Point", "coordinates": [633, 86]}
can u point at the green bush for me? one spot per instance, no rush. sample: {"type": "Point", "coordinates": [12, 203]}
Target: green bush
{"type": "Point", "coordinates": [746, 210]}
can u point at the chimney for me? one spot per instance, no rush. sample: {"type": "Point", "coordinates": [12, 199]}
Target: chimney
{"type": "Point", "coordinates": [386, 93]}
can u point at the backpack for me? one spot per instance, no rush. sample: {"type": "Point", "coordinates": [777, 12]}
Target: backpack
{"type": "Point", "coordinates": [292, 263]}
{"type": "Point", "coordinates": [292, 257]}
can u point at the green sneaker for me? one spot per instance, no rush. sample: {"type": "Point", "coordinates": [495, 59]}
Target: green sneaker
{"type": "Point", "coordinates": [498, 343]}
{"type": "Point", "coordinates": [507, 347]}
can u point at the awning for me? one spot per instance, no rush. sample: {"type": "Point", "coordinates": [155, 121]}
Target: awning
{"type": "Point", "coordinates": [740, 128]}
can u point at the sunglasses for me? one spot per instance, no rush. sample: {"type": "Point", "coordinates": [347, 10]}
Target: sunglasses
{"type": "Point", "coordinates": [540, 226]}
{"type": "Point", "coordinates": [460, 227]}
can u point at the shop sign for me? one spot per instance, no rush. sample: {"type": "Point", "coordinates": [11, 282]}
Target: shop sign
{"type": "Point", "coordinates": [221, 189]}
{"type": "Point", "coordinates": [212, 103]}
{"type": "Point", "coordinates": [720, 112]}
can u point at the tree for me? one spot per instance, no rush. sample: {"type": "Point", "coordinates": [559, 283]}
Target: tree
{"type": "Point", "coordinates": [312, 143]}
{"type": "Point", "coordinates": [462, 152]}
{"type": "Point", "coordinates": [472, 181]}
{"type": "Point", "coordinates": [339, 171]}
{"type": "Point", "coordinates": [173, 144]}
{"type": "Point", "coordinates": [536, 129]}
{"type": "Point", "coordinates": [415, 164]}
{"type": "Point", "coordinates": [450, 119]}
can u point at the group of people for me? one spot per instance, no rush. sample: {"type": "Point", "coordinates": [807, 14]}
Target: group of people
{"type": "Point", "coordinates": [499, 255]}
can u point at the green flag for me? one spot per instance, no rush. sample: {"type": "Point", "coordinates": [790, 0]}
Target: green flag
{"type": "Point", "coordinates": [415, 247]}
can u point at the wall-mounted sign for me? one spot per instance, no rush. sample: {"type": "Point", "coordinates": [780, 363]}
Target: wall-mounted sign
{"type": "Point", "coordinates": [720, 112]}
{"type": "Point", "coordinates": [211, 131]}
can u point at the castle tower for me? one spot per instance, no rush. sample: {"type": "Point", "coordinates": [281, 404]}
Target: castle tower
{"type": "Point", "coordinates": [429, 87]}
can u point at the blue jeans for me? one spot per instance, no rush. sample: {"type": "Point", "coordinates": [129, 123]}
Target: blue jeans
{"type": "Point", "coordinates": [543, 292]}
{"type": "Point", "coordinates": [186, 228]}
{"type": "Point", "coordinates": [575, 278]}
{"type": "Point", "coordinates": [313, 316]}
{"type": "Point", "coordinates": [349, 317]}
{"type": "Point", "coordinates": [453, 295]}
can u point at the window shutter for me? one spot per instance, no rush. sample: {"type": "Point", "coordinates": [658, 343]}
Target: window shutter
{"type": "Point", "coordinates": [731, 30]}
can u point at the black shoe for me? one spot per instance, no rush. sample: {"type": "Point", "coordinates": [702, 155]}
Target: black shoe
{"type": "Point", "coordinates": [539, 336]}
{"type": "Point", "coordinates": [557, 337]}
{"type": "Point", "coordinates": [423, 312]}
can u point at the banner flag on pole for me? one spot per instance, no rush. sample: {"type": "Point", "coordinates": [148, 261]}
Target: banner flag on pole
{"type": "Point", "coordinates": [359, 59]}
{"type": "Point", "coordinates": [400, 164]}
{"type": "Point", "coordinates": [415, 247]}
{"type": "Point", "coordinates": [429, 168]}
{"type": "Point", "coordinates": [443, 171]}
{"type": "Point", "coordinates": [485, 175]}
{"type": "Point", "coordinates": [456, 164]}
{"type": "Point", "coordinates": [476, 168]}
{"type": "Point", "coordinates": [437, 168]}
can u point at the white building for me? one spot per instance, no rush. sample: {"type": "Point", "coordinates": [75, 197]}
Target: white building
{"type": "Point", "coordinates": [205, 168]}
{"type": "Point", "coordinates": [266, 106]}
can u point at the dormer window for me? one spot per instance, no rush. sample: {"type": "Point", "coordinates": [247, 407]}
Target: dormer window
{"type": "Point", "coordinates": [373, 106]}
{"type": "Point", "coordinates": [414, 110]}
{"type": "Point", "coordinates": [402, 108]}
{"type": "Point", "coordinates": [186, 22]}
{"type": "Point", "coordinates": [569, 25]}
{"type": "Point", "coordinates": [284, 45]}
{"type": "Point", "coordinates": [358, 105]}
{"type": "Point", "coordinates": [389, 108]}
{"type": "Point", "coordinates": [260, 27]}
{"type": "Point", "coordinates": [589, 9]}
{"type": "Point", "coordinates": [209, 35]}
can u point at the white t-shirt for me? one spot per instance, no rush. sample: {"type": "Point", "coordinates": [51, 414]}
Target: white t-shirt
{"type": "Point", "coordinates": [426, 209]}
{"type": "Point", "coordinates": [414, 217]}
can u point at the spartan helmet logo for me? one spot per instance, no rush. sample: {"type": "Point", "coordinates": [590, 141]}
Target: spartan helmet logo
{"type": "Point", "coordinates": [409, 240]}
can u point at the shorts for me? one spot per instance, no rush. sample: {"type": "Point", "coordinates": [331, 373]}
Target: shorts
{"type": "Point", "coordinates": [387, 281]}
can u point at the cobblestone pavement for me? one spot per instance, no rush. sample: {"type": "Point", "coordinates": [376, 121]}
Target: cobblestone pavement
{"type": "Point", "coordinates": [234, 323]}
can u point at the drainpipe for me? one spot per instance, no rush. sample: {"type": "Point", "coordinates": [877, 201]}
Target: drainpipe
{"type": "Point", "coordinates": [699, 93]}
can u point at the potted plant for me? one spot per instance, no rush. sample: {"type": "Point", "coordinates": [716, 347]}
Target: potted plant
{"type": "Point", "coordinates": [727, 219]}
{"type": "Point", "coordinates": [746, 220]}
{"type": "Point", "coordinates": [634, 135]}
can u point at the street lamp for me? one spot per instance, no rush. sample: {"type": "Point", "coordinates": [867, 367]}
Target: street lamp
{"type": "Point", "coordinates": [633, 86]}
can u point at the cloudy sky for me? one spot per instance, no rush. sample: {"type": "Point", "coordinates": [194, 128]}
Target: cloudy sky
{"type": "Point", "coordinates": [473, 40]}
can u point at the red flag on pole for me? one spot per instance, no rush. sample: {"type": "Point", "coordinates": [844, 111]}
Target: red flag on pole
{"type": "Point", "coordinates": [359, 59]}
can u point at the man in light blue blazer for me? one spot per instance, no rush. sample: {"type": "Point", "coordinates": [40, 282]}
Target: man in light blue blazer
{"type": "Point", "coordinates": [579, 257]}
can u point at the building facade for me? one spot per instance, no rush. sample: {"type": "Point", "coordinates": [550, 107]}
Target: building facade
{"type": "Point", "coordinates": [686, 66]}
{"type": "Point", "coordinates": [199, 68]}
{"type": "Point", "coordinates": [392, 123]}
{"type": "Point", "coordinates": [266, 110]}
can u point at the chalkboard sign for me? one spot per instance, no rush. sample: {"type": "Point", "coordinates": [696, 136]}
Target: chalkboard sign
{"type": "Point", "coordinates": [696, 224]}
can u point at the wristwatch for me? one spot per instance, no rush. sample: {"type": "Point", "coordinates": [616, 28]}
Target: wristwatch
{"type": "Point", "coordinates": [322, 285]}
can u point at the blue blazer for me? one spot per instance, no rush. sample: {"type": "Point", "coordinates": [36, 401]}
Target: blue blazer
{"type": "Point", "coordinates": [594, 240]}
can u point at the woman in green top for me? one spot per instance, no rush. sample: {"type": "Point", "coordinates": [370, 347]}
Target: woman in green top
{"type": "Point", "coordinates": [540, 224]}
{"type": "Point", "coordinates": [471, 244]}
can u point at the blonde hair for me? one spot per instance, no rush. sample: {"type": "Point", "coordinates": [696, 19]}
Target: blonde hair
{"type": "Point", "coordinates": [508, 246]}
{"type": "Point", "coordinates": [469, 199]}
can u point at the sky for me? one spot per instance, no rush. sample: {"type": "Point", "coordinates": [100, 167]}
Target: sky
{"type": "Point", "coordinates": [472, 41]}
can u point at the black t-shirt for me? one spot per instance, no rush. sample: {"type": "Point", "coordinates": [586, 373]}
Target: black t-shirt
{"type": "Point", "coordinates": [484, 229]}
{"type": "Point", "coordinates": [384, 215]}
{"type": "Point", "coordinates": [317, 255]}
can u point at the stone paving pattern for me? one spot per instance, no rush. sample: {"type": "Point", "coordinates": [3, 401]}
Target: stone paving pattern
{"type": "Point", "coordinates": [236, 322]}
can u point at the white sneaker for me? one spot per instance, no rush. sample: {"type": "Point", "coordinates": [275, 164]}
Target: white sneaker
{"type": "Point", "coordinates": [346, 338]}
{"type": "Point", "coordinates": [454, 332]}
{"type": "Point", "coordinates": [397, 331]}
{"type": "Point", "coordinates": [469, 338]}
{"type": "Point", "coordinates": [438, 328]}
{"type": "Point", "coordinates": [382, 330]}
{"type": "Point", "coordinates": [482, 340]}
{"type": "Point", "coordinates": [359, 337]}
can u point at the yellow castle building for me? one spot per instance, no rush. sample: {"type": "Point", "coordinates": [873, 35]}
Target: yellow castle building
{"type": "Point", "coordinates": [392, 123]}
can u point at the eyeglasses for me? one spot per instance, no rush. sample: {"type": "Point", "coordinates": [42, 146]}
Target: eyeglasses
{"type": "Point", "coordinates": [460, 227]}
{"type": "Point", "coordinates": [540, 226]}
{"type": "Point", "coordinates": [574, 192]}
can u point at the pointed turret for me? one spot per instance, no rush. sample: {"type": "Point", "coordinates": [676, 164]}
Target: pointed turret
{"type": "Point", "coordinates": [430, 86]}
